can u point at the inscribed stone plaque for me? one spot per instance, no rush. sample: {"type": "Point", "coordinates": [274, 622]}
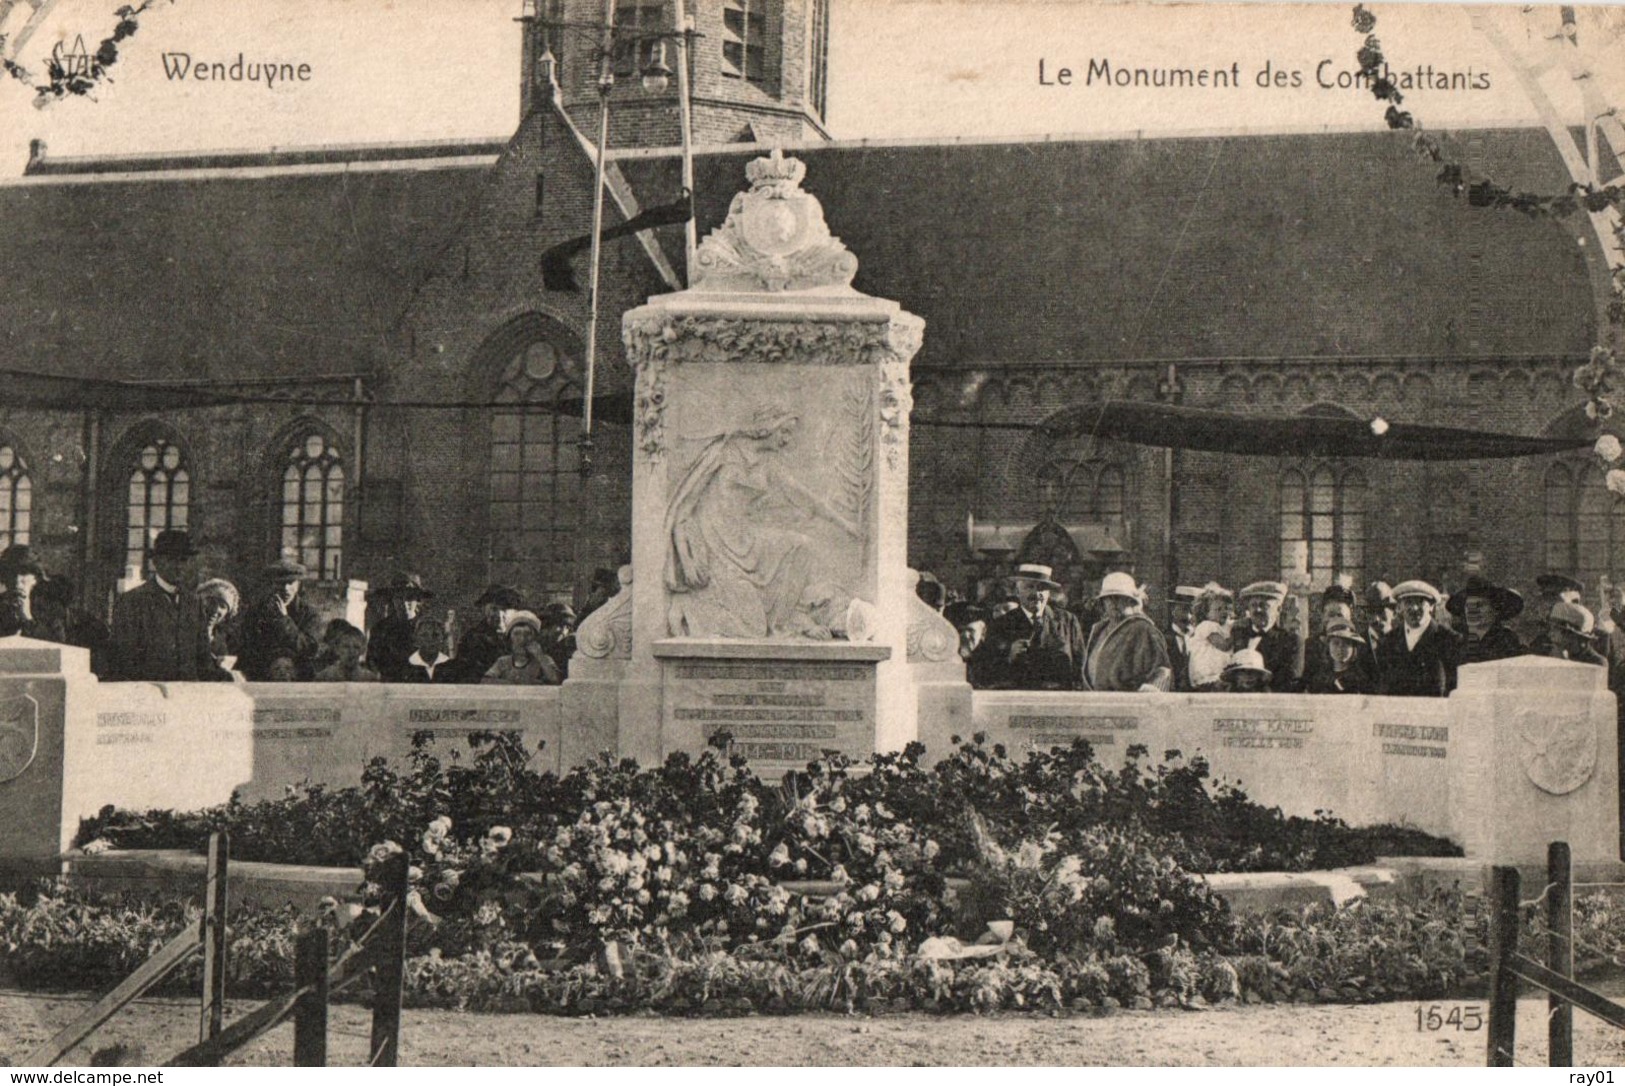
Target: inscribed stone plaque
{"type": "Point", "coordinates": [460, 721]}
{"type": "Point", "coordinates": [1048, 731]}
{"type": "Point", "coordinates": [1263, 734]}
{"type": "Point", "coordinates": [781, 713]}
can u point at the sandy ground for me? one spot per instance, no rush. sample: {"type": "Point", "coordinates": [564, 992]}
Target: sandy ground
{"type": "Point", "coordinates": [1322, 1035]}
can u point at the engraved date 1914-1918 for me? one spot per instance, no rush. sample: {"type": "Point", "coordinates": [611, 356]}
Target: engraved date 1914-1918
{"type": "Point", "coordinates": [1435, 1017]}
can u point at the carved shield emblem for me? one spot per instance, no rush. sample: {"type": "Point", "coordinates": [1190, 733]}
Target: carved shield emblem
{"type": "Point", "coordinates": [19, 735]}
{"type": "Point", "coordinates": [1559, 752]}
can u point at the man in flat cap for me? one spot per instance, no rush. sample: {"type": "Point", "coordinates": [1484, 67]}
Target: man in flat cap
{"type": "Point", "coordinates": [1419, 657]}
{"type": "Point", "coordinates": [281, 626]}
{"type": "Point", "coordinates": [158, 633]}
{"type": "Point", "coordinates": [1126, 650]}
{"type": "Point", "coordinates": [1261, 631]}
{"type": "Point", "coordinates": [1032, 646]}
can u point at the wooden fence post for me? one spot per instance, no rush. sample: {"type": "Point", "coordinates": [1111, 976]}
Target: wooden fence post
{"type": "Point", "coordinates": [1559, 952]}
{"type": "Point", "coordinates": [310, 1014]}
{"type": "Point", "coordinates": [1503, 1024]}
{"type": "Point", "coordinates": [389, 972]}
{"type": "Point", "coordinates": [214, 938]}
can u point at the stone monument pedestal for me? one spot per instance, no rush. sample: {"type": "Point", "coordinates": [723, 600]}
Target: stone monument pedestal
{"type": "Point", "coordinates": [42, 687]}
{"type": "Point", "coordinates": [1539, 742]}
{"type": "Point", "coordinates": [772, 597]}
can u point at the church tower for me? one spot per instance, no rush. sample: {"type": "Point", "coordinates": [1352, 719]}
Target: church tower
{"type": "Point", "coordinates": [758, 68]}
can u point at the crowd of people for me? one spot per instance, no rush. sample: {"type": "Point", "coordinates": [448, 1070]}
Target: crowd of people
{"type": "Point", "coordinates": [170, 628]}
{"type": "Point", "coordinates": [1404, 640]}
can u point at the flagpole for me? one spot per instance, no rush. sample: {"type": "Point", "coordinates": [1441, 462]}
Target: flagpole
{"type": "Point", "coordinates": [685, 44]}
{"type": "Point", "coordinates": [606, 83]}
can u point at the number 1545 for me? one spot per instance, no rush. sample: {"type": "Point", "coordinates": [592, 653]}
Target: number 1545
{"type": "Point", "coordinates": [1434, 1017]}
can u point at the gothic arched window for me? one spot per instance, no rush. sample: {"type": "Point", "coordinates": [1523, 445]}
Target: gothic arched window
{"type": "Point", "coordinates": [313, 506]}
{"type": "Point", "coordinates": [16, 496]}
{"type": "Point", "coordinates": [535, 473]}
{"type": "Point", "coordinates": [160, 498]}
{"type": "Point", "coordinates": [1323, 523]}
{"type": "Point", "coordinates": [1085, 489]}
{"type": "Point", "coordinates": [1585, 524]}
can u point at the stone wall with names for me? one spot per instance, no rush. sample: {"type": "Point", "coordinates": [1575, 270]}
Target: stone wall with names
{"type": "Point", "coordinates": [1365, 759]}
{"type": "Point", "coordinates": [1045, 731]}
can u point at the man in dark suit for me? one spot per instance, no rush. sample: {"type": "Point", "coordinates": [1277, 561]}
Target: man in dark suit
{"type": "Point", "coordinates": [1179, 628]}
{"type": "Point", "coordinates": [1418, 658]}
{"type": "Point", "coordinates": [1261, 631]}
{"type": "Point", "coordinates": [158, 631]}
{"type": "Point", "coordinates": [1033, 646]}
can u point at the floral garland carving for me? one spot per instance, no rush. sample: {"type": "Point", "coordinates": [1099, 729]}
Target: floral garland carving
{"type": "Point", "coordinates": [896, 401]}
{"type": "Point", "coordinates": [649, 407]}
{"type": "Point", "coordinates": [654, 341]}
{"type": "Point", "coordinates": [731, 339]}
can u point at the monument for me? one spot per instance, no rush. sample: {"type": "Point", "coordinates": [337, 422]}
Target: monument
{"type": "Point", "coordinates": [771, 597]}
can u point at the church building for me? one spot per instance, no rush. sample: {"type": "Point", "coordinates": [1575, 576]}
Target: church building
{"type": "Point", "coordinates": [349, 355]}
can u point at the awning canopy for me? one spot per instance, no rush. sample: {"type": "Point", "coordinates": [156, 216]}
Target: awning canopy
{"type": "Point", "coordinates": [1173, 427]}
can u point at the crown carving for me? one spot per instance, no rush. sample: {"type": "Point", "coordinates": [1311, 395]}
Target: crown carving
{"type": "Point", "coordinates": [775, 238]}
{"type": "Point", "coordinates": [774, 169]}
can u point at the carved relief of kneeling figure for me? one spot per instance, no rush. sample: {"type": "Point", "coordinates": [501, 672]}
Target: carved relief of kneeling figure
{"type": "Point", "coordinates": [729, 574]}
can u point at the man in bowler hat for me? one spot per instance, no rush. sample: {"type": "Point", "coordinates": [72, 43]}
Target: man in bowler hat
{"type": "Point", "coordinates": [393, 636]}
{"type": "Point", "coordinates": [158, 631]}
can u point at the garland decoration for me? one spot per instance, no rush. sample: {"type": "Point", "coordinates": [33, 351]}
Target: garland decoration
{"type": "Point", "coordinates": [70, 74]}
{"type": "Point", "coordinates": [1602, 378]}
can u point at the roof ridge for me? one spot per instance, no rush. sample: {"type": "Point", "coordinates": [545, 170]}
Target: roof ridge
{"type": "Point", "coordinates": [42, 164]}
{"type": "Point", "coordinates": [1115, 136]}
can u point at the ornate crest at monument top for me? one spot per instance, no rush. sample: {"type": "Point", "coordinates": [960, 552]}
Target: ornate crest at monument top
{"type": "Point", "coordinates": [775, 238]}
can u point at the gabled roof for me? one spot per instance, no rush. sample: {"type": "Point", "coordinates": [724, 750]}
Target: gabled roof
{"type": "Point", "coordinates": [286, 266]}
{"type": "Point", "coordinates": [1235, 246]}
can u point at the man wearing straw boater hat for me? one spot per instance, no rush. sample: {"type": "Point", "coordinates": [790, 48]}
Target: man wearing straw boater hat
{"type": "Point", "coordinates": [1126, 650]}
{"type": "Point", "coordinates": [1033, 646]}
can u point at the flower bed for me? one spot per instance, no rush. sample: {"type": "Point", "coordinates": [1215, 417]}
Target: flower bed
{"type": "Point", "coordinates": [1430, 948]}
{"type": "Point", "coordinates": [858, 886]}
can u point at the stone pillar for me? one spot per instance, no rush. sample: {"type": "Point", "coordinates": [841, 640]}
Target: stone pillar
{"type": "Point", "coordinates": [1538, 742]}
{"type": "Point", "coordinates": [44, 688]}
{"type": "Point", "coordinates": [772, 596]}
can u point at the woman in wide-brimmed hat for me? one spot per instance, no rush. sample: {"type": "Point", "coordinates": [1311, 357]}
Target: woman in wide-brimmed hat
{"type": "Point", "coordinates": [1481, 610]}
{"type": "Point", "coordinates": [394, 639]}
{"type": "Point", "coordinates": [1349, 668]}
